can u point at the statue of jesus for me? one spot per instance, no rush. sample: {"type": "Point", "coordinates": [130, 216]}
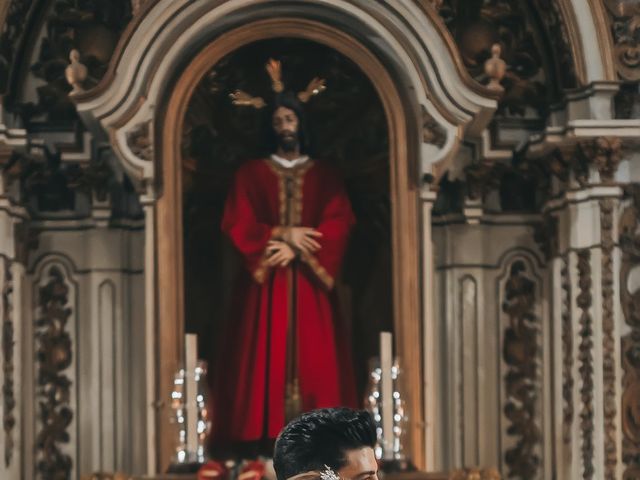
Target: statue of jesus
{"type": "Point", "coordinates": [289, 217]}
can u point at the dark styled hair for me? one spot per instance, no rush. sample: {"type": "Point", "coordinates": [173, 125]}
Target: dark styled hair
{"type": "Point", "coordinates": [322, 437]}
{"type": "Point", "coordinates": [288, 100]}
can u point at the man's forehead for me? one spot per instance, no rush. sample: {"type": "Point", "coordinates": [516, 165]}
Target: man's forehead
{"type": "Point", "coordinates": [282, 111]}
{"type": "Point", "coordinates": [360, 462]}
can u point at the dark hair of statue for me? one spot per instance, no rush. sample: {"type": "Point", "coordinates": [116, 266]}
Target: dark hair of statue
{"type": "Point", "coordinates": [322, 437]}
{"type": "Point", "coordinates": [288, 100]}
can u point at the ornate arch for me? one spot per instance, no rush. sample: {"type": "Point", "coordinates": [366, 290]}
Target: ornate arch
{"type": "Point", "coordinates": [401, 46]}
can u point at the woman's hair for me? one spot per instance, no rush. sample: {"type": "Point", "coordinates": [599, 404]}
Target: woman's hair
{"type": "Point", "coordinates": [322, 437]}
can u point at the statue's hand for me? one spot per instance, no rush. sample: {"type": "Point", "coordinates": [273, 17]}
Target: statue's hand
{"type": "Point", "coordinates": [304, 239]}
{"type": "Point", "coordinates": [279, 253]}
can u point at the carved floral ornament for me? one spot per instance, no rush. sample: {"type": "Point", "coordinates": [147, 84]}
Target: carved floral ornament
{"type": "Point", "coordinates": [603, 153]}
{"type": "Point", "coordinates": [54, 357]}
{"type": "Point", "coordinates": [8, 391]}
{"type": "Point", "coordinates": [500, 45]}
{"type": "Point", "coordinates": [609, 337]}
{"type": "Point", "coordinates": [625, 28]}
{"type": "Point", "coordinates": [432, 131]}
{"type": "Point", "coordinates": [630, 301]}
{"type": "Point", "coordinates": [521, 352]}
{"type": "Point", "coordinates": [584, 302]}
{"type": "Point", "coordinates": [139, 140]}
{"type": "Point", "coordinates": [81, 34]}
{"type": "Point", "coordinates": [567, 354]}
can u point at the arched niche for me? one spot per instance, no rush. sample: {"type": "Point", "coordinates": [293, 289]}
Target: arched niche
{"type": "Point", "coordinates": [411, 60]}
{"type": "Point", "coordinates": [403, 191]}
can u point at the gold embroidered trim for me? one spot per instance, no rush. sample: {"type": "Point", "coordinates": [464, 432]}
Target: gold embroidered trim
{"type": "Point", "coordinates": [319, 270]}
{"type": "Point", "coordinates": [296, 175]}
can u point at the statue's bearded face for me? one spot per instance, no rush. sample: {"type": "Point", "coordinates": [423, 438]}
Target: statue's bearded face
{"type": "Point", "coordinates": [285, 125]}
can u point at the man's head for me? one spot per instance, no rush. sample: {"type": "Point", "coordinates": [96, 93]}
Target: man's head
{"type": "Point", "coordinates": [340, 438]}
{"type": "Point", "coordinates": [287, 128]}
{"type": "Point", "coordinates": [285, 125]}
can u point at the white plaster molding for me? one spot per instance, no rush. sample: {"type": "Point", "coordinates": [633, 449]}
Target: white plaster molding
{"type": "Point", "coordinates": [12, 137]}
{"type": "Point", "coordinates": [172, 28]}
{"type": "Point", "coordinates": [85, 153]}
{"type": "Point", "coordinates": [583, 15]}
{"type": "Point", "coordinates": [432, 380]}
{"type": "Point", "coordinates": [583, 195]}
{"type": "Point", "coordinates": [149, 334]}
{"type": "Point", "coordinates": [582, 129]}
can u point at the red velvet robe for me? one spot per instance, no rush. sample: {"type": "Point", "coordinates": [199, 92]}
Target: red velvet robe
{"type": "Point", "coordinates": [249, 390]}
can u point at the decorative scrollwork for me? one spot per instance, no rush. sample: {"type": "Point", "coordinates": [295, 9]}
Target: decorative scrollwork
{"type": "Point", "coordinates": [567, 354]}
{"type": "Point", "coordinates": [530, 78]}
{"type": "Point", "coordinates": [10, 38]}
{"type": "Point", "coordinates": [585, 355]}
{"type": "Point", "coordinates": [520, 353]}
{"type": "Point", "coordinates": [603, 152]}
{"type": "Point", "coordinates": [630, 404]}
{"type": "Point", "coordinates": [608, 342]}
{"type": "Point", "coordinates": [8, 393]}
{"type": "Point", "coordinates": [93, 29]}
{"type": "Point", "coordinates": [139, 141]}
{"type": "Point", "coordinates": [551, 15]}
{"type": "Point", "coordinates": [625, 27]}
{"type": "Point", "coordinates": [54, 356]}
{"type": "Point", "coordinates": [432, 132]}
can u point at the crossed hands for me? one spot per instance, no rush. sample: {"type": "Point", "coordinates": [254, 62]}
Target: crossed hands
{"type": "Point", "coordinates": [296, 239]}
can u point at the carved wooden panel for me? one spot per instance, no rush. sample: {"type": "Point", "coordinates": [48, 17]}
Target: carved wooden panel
{"type": "Point", "coordinates": [567, 354]}
{"type": "Point", "coordinates": [521, 354]}
{"type": "Point", "coordinates": [630, 300]}
{"type": "Point", "coordinates": [8, 388]}
{"type": "Point", "coordinates": [54, 357]}
{"type": "Point", "coordinates": [585, 357]}
{"type": "Point", "coordinates": [624, 20]}
{"type": "Point", "coordinates": [608, 342]}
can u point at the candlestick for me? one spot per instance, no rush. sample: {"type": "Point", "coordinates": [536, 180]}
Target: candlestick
{"type": "Point", "coordinates": [191, 362]}
{"type": "Point", "coordinates": [386, 363]}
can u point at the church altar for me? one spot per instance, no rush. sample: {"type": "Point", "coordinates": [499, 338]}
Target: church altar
{"type": "Point", "coordinates": [488, 149]}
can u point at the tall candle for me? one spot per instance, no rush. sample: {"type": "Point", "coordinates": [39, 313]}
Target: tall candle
{"type": "Point", "coordinates": [386, 363]}
{"type": "Point", "coordinates": [191, 361]}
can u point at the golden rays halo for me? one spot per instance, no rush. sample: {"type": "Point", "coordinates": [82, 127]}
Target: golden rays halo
{"type": "Point", "coordinates": [274, 70]}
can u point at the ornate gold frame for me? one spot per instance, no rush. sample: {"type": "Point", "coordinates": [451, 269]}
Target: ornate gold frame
{"type": "Point", "coordinates": [405, 226]}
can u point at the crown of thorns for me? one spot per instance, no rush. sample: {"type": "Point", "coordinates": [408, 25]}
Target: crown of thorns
{"type": "Point", "coordinates": [274, 69]}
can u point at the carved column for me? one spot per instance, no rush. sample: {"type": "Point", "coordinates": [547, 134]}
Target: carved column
{"type": "Point", "coordinates": [432, 407]}
{"type": "Point", "coordinates": [630, 301]}
{"type": "Point", "coordinates": [8, 363]}
{"type": "Point", "coordinates": [12, 259]}
{"type": "Point", "coordinates": [13, 371]}
{"type": "Point", "coordinates": [586, 396]}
